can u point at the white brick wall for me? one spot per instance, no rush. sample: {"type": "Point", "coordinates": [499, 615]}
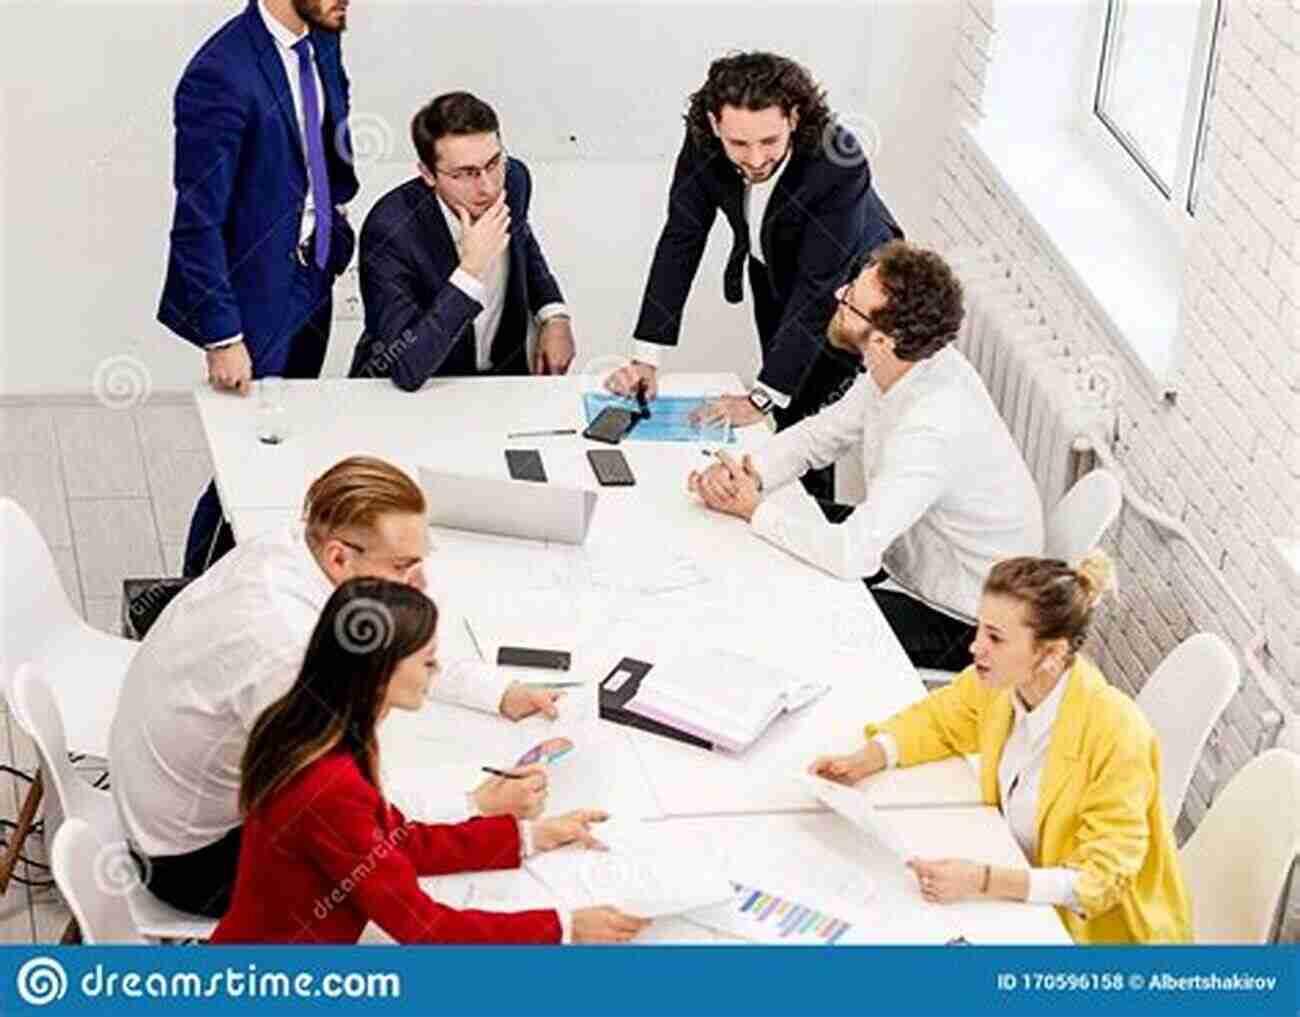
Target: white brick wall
{"type": "Point", "coordinates": [1226, 457]}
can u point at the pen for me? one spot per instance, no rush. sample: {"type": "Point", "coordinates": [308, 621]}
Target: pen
{"type": "Point", "coordinates": [541, 434]}
{"type": "Point", "coordinates": [502, 773]}
{"type": "Point", "coordinates": [640, 399]}
{"type": "Point", "coordinates": [474, 639]}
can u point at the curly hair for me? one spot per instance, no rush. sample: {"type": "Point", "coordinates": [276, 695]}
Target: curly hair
{"type": "Point", "coordinates": [925, 307]}
{"type": "Point", "coordinates": [756, 81]}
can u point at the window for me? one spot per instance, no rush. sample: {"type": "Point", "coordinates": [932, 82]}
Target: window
{"type": "Point", "coordinates": [1153, 83]}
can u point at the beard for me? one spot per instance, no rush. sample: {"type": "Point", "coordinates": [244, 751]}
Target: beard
{"type": "Point", "coordinates": [327, 15]}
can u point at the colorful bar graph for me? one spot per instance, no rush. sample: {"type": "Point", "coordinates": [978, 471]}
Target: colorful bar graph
{"type": "Point", "coordinates": [782, 919]}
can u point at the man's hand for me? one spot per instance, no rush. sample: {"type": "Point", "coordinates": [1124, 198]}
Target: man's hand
{"type": "Point", "coordinates": [230, 368]}
{"type": "Point", "coordinates": [482, 242]}
{"type": "Point", "coordinates": [568, 828]}
{"type": "Point", "coordinates": [728, 486]}
{"type": "Point", "coordinates": [947, 880]}
{"type": "Point", "coordinates": [522, 701]}
{"type": "Point", "coordinates": [504, 796]}
{"type": "Point", "coordinates": [625, 380]}
{"type": "Point", "coordinates": [737, 410]}
{"type": "Point", "coordinates": [605, 925]}
{"type": "Point", "coordinates": [555, 347]}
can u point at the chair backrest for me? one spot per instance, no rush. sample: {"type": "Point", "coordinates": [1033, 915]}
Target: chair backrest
{"type": "Point", "coordinates": [104, 916]}
{"type": "Point", "coordinates": [1076, 525]}
{"type": "Point", "coordinates": [33, 604]}
{"type": "Point", "coordinates": [33, 705]}
{"type": "Point", "coordinates": [1236, 863]}
{"type": "Point", "coordinates": [1183, 699]}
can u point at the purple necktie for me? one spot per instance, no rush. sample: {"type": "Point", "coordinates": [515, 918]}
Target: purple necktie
{"type": "Point", "coordinates": [316, 171]}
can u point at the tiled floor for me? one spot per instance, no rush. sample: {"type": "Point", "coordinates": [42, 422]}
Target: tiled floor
{"type": "Point", "coordinates": [111, 491]}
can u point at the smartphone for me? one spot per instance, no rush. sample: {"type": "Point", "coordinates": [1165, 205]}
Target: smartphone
{"type": "Point", "coordinates": [525, 464]}
{"type": "Point", "coordinates": [610, 425]}
{"type": "Point", "coordinates": [610, 467]}
{"type": "Point", "coordinates": [526, 656]}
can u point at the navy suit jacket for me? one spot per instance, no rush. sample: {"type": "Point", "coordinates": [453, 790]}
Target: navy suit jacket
{"type": "Point", "coordinates": [241, 184]}
{"type": "Point", "coordinates": [418, 324]}
{"type": "Point", "coordinates": [823, 215]}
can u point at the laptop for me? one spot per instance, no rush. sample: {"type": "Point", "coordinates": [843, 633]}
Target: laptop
{"type": "Point", "coordinates": [508, 508]}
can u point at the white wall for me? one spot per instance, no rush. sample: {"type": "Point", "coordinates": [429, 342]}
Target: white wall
{"type": "Point", "coordinates": [87, 198]}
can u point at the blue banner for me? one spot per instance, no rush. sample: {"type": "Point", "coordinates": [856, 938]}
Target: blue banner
{"type": "Point", "coordinates": [713, 981]}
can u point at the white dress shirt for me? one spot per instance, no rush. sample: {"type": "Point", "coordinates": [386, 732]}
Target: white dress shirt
{"type": "Point", "coordinates": [757, 197]}
{"type": "Point", "coordinates": [948, 493]}
{"type": "Point", "coordinates": [1020, 776]}
{"type": "Point", "coordinates": [284, 43]}
{"type": "Point", "coordinates": [489, 291]}
{"type": "Point", "coordinates": [228, 646]}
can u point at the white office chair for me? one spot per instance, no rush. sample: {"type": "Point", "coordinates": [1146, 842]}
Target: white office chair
{"type": "Point", "coordinates": [1183, 699]}
{"type": "Point", "coordinates": [1073, 528]}
{"type": "Point", "coordinates": [1080, 519]}
{"type": "Point", "coordinates": [84, 666]}
{"type": "Point", "coordinates": [1237, 862]}
{"type": "Point", "coordinates": [102, 916]}
{"type": "Point", "coordinates": [32, 704]}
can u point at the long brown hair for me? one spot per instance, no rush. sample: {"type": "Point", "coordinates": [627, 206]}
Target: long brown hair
{"type": "Point", "coordinates": [756, 81]}
{"type": "Point", "coordinates": [367, 628]}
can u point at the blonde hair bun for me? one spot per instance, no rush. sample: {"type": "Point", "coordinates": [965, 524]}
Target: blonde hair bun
{"type": "Point", "coordinates": [1096, 574]}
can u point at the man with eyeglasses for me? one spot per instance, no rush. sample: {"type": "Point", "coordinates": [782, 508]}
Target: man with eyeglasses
{"type": "Point", "coordinates": [948, 492]}
{"type": "Point", "coordinates": [232, 642]}
{"type": "Point", "coordinates": [452, 276]}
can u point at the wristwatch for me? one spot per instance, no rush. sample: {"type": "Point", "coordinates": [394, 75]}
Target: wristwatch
{"type": "Point", "coordinates": [760, 400]}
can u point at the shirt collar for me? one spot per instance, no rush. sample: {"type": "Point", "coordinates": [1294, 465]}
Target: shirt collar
{"type": "Point", "coordinates": [453, 220]}
{"type": "Point", "coordinates": [320, 582]}
{"type": "Point", "coordinates": [283, 37]}
{"type": "Point", "coordinates": [1038, 721]}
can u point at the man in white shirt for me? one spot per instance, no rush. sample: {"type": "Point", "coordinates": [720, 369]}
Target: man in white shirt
{"type": "Point", "coordinates": [452, 276]}
{"type": "Point", "coordinates": [232, 642]}
{"type": "Point", "coordinates": [948, 492]}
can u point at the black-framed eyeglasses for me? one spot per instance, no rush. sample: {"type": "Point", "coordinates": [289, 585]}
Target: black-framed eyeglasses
{"type": "Point", "coordinates": [471, 174]}
{"type": "Point", "coordinates": [843, 301]}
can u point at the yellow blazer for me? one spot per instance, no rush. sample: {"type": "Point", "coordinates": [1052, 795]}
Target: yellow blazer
{"type": "Point", "coordinates": [1099, 807]}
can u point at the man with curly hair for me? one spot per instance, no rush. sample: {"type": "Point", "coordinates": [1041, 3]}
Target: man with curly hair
{"type": "Point", "coordinates": [948, 493]}
{"type": "Point", "coordinates": [762, 146]}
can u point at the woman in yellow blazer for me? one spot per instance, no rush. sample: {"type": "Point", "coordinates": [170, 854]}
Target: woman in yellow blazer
{"type": "Point", "coordinates": [1070, 760]}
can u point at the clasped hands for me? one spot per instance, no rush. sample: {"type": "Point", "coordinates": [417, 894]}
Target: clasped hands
{"type": "Point", "coordinates": [728, 486]}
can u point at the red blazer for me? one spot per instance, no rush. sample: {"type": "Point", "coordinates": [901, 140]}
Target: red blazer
{"type": "Point", "coordinates": [326, 854]}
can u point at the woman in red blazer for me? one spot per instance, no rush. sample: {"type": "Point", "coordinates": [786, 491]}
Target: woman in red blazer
{"type": "Point", "coordinates": [323, 852]}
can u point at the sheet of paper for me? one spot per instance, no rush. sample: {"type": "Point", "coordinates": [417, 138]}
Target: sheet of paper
{"type": "Point", "coordinates": [945, 782]}
{"type": "Point", "coordinates": [856, 807]}
{"type": "Point", "coordinates": [648, 871]}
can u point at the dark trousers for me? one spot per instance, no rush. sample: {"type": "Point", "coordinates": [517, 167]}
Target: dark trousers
{"type": "Point", "coordinates": [829, 378]}
{"type": "Point", "coordinates": [200, 882]}
{"type": "Point", "coordinates": [302, 356]}
{"type": "Point", "coordinates": [930, 638]}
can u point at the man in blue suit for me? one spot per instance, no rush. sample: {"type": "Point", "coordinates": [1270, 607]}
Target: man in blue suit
{"type": "Point", "coordinates": [452, 277]}
{"type": "Point", "coordinates": [263, 168]}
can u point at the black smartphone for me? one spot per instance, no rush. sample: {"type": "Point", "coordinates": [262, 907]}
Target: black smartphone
{"type": "Point", "coordinates": [610, 467]}
{"type": "Point", "coordinates": [527, 656]}
{"type": "Point", "coordinates": [610, 425]}
{"type": "Point", "coordinates": [525, 464]}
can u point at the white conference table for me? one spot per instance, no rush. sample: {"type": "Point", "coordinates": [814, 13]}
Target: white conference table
{"type": "Point", "coordinates": [657, 571]}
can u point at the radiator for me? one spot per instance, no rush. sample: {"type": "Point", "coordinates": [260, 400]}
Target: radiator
{"type": "Point", "coordinates": [1057, 402]}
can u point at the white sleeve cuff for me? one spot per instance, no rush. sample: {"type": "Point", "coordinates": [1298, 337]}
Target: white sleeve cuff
{"type": "Point", "coordinates": [566, 924]}
{"type": "Point", "coordinates": [647, 353]}
{"type": "Point", "coordinates": [468, 285]}
{"type": "Point", "coordinates": [549, 311]}
{"type": "Point", "coordinates": [889, 746]}
{"type": "Point", "coordinates": [220, 343]}
{"type": "Point", "coordinates": [1054, 886]}
{"type": "Point", "coordinates": [780, 398]}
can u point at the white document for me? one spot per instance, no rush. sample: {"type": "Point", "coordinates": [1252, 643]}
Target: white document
{"type": "Point", "coordinates": [856, 807]}
{"type": "Point", "coordinates": [646, 872]}
{"type": "Point", "coordinates": [944, 782]}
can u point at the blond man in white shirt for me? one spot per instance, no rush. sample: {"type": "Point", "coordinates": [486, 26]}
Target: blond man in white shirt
{"type": "Point", "coordinates": [232, 643]}
{"type": "Point", "coordinates": [948, 492]}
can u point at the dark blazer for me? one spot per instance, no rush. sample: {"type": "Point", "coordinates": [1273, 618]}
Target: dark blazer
{"type": "Point", "coordinates": [241, 184]}
{"type": "Point", "coordinates": [823, 214]}
{"type": "Point", "coordinates": [418, 325]}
